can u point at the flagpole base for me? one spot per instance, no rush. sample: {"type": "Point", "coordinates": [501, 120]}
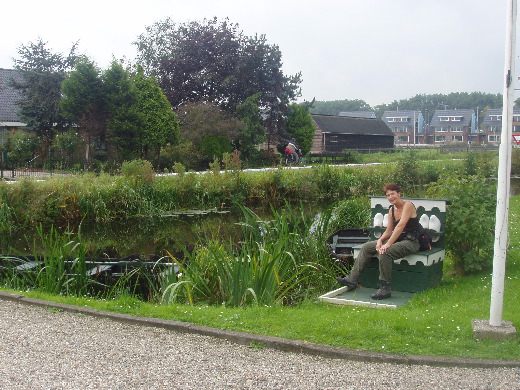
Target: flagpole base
{"type": "Point", "coordinates": [482, 330]}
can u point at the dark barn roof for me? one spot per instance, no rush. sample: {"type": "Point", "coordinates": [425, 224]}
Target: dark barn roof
{"type": "Point", "coordinates": [350, 125]}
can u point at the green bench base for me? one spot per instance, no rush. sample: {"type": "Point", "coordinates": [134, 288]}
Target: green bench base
{"type": "Point", "coordinates": [405, 277]}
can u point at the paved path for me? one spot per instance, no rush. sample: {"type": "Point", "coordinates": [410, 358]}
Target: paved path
{"type": "Point", "coordinates": [44, 348]}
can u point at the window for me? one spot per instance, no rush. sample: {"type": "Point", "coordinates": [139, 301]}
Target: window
{"type": "Point", "coordinates": [495, 129]}
{"type": "Point", "coordinates": [402, 139]}
{"type": "Point", "coordinates": [442, 129]}
{"type": "Point", "coordinates": [456, 129]}
{"type": "Point", "coordinates": [457, 118]}
{"type": "Point", "coordinates": [493, 138]}
{"type": "Point", "coordinates": [495, 117]}
{"type": "Point", "coordinates": [398, 118]}
{"type": "Point", "coordinates": [457, 138]}
{"type": "Point", "coordinates": [440, 138]}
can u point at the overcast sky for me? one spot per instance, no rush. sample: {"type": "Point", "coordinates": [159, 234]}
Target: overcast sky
{"type": "Point", "coordinates": [374, 50]}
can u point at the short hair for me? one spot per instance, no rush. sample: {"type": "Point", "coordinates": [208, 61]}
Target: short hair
{"type": "Point", "coordinates": [391, 187]}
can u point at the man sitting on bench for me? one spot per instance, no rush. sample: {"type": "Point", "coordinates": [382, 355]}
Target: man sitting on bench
{"type": "Point", "coordinates": [398, 240]}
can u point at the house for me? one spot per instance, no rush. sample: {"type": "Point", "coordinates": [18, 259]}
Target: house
{"type": "Point", "coordinates": [491, 127]}
{"type": "Point", "coordinates": [407, 126]}
{"type": "Point", "coordinates": [359, 114]}
{"type": "Point", "coordinates": [335, 133]}
{"type": "Point", "coordinates": [449, 126]}
{"type": "Point", "coordinates": [9, 118]}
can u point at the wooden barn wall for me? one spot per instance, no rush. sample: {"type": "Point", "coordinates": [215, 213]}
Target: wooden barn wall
{"type": "Point", "coordinates": [357, 141]}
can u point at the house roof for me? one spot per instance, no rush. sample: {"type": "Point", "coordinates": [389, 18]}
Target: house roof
{"type": "Point", "coordinates": [497, 116]}
{"type": "Point", "coordinates": [351, 125]}
{"type": "Point", "coordinates": [402, 114]}
{"type": "Point", "coordinates": [358, 114]}
{"type": "Point", "coordinates": [463, 117]}
{"type": "Point", "coordinates": [9, 96]}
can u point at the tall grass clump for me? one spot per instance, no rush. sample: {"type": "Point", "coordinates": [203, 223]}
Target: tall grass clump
{"type": "Point", "coordinates": [278, 261]}
{"type": "Point", "coordinates": [58, 267]}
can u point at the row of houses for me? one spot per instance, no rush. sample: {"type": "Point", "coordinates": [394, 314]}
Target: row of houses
{"type": "Point", "coordinates": [364, 130]}
{"type": "Point", "coordinates": [410, 127]}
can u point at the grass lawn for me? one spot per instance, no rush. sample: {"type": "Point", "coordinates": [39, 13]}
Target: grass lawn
{"type": "Point", "coordinates": [437, 322]}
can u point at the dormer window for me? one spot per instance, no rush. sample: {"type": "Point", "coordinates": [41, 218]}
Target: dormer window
{"type": "Point", "coordinates": [398, 118]}
{"type": "Point", "coordinates": [446, 118]}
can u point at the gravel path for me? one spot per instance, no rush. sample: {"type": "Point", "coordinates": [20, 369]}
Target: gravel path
{"type": "Point", "coordinates": [46, 349]}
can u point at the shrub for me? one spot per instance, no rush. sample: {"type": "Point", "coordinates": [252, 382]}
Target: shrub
{"type": "Point", "coordinates": [470, 219]}
{"type": "Point", "coordinates": [138, 170]}
{"type": "Point", "coordinates": [351, 213]}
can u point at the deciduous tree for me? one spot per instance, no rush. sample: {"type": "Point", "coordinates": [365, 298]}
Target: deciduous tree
{"type": "Point", "coordinates": [42, 73]}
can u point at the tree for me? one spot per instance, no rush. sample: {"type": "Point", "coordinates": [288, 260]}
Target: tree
{"type": "Point", "coordinates": [42, 73]}
{"type": "Point", "coordinates": [334, 107]}
{"type": "Point", "coordinates": [300, 126]}
{"type": "Point", "coordinates": [123, 120]}
{"type": "Point", "coordinates": [199, 119]}
{"type": "Point", "coordinates": [157, 121]}
{"type": "Point", "coordinates": [253, 132]}
{"type": "Point", "coordinates": [213, 62]}
{"type": "Point", "coordinates": [84, 102]}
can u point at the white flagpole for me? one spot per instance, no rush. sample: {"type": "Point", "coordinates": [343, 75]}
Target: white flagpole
{"type": "Point", "coordinates": [504, 173]}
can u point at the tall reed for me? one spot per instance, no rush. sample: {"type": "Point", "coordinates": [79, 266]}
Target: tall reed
{"type": "Point", "coordinates": [277, 262]}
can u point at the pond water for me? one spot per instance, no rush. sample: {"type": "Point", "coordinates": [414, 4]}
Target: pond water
{"type": "Point", "coordinates": [154, 236]}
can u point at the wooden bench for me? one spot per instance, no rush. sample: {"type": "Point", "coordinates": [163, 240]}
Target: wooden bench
{"type": "Point", "coordinates": [418, 271]}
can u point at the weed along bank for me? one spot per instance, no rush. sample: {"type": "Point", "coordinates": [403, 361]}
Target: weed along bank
{"type": "Point", "coordinates": [412, 273]}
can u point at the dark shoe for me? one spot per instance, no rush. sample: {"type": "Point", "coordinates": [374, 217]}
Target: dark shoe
{"type": "Point", "coordinates": [383, 292]}
{"type": "Point", "coordinates": [348, 281]}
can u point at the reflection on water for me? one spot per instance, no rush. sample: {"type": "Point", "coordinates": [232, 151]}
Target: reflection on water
{"type": "Point", "coordinates": [146, 236]}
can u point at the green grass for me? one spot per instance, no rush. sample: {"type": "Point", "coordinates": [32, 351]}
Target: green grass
{"type": "Point", "coordinates": [437, 322]}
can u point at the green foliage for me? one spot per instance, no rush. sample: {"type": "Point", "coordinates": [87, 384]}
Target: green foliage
{"type": "Point", "coordinates": [253, 133]}
{"type": "Point", "coordinates": [351, 213]}
{"type": "Point", "coordinates": [269, 267]}
{"type": "Point", "coordinates": [42, 73]}
{"type": "Point", "coordinates": [470, 219]}
{"type": "Point", "coordinates": [213, 61]}
{"type": "Point", "coordinates": [336, 106]}
{"type": "Point", "coordinates": [479, 163]}
{"type": "Point", "coordinates": [407, 172]}
{"type": "Point", "coordinates": [140, 171]}
{"type": "Point", "coordinates": [515, 162]}
{"type": "Point", "coordinates": [352, 156]}
{"type": "Point", "coordinates": [21, 147]}
{"type": "Point", "coordinates": [214, 146]}
{"type": "Point", "coordinates": [67, 146]}
{"type": "Point", "coordinates": [300, 126]}
{"type": "Point", "coordinates": [158, 125]}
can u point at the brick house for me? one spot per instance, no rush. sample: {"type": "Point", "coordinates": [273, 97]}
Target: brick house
{"type": "Point", "coordinates": [492, 125]}
{"type": "Point", "coordinates": [449, 126]}
{"type": "Point", "coordinates": [407, 126]}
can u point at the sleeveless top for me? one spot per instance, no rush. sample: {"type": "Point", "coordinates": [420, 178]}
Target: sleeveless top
{"type": "Point", "coordinates": [412, 226]}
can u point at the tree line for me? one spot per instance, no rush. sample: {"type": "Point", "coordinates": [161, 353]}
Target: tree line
{"type": "Point", "coordinates": [197, 91]}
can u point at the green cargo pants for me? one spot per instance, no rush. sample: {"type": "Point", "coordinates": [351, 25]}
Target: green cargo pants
{"type": "Point", "coordinates": [396, 251]}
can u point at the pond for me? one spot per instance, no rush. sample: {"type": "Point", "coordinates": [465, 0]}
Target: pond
{"type": "Point", "coordinates": [154, 236]}
{"type": "Point", "coordinates": [146, 236]}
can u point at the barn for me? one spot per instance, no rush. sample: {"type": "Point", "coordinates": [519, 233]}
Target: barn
{"type": "Point", "coordinates": [337, 133]}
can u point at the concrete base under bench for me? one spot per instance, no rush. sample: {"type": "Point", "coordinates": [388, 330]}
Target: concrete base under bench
{"type": "Point", "coordinates": [361, 297]}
